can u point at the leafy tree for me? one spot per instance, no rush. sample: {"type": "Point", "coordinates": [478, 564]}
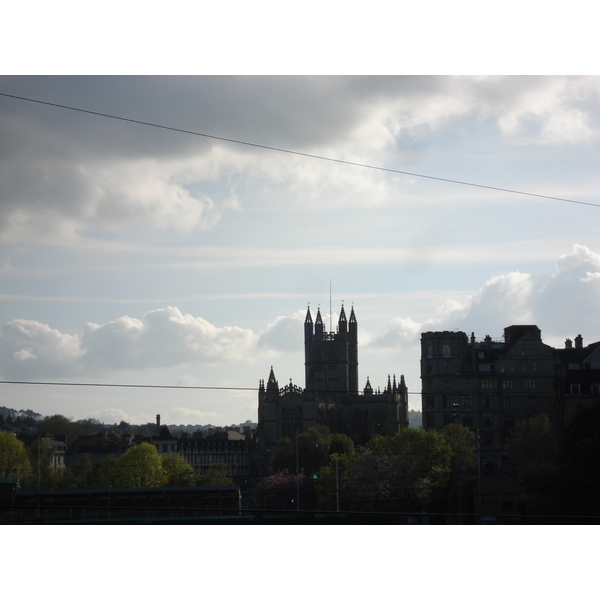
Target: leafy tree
{"type": "Point", "coordinates": [107, 475]}
{"type": "Point", "coordinates": [462, 442]}
{"type": "Point", "coordinates": [531, 447]}
{"type": "Point", "coordinates": [14, 461]}
{"type": "Point", "coordinates": [340, 444]}
{"type": "Point", "coordinates": [579, 487]}
{"type": "Point", "coordinates": [313, 451]}
{"type": "Point", "coordinates": [218, 475]}
{"type": "Point", "coordinates": [43, 475]}
{"type": "Point", "coordinates": [280, 491]}
{"type": "Point", "coordinates": [399, 473]}
{"type": "Point", "coordinates": [80, 475]}
{"type": "Point", "coordinates": [178, 471]}
{"type": "Point", "coordinates": [330, 485]}
{"type": "Point", "coordinates": [140, 467]}
{"type": "Point", "coordinates": [60, 425]}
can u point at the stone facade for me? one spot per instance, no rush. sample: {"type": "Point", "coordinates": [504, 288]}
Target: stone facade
{"type": "Point", "coordinates": [487, 385]}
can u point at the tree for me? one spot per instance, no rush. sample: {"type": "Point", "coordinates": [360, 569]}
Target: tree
{"type": "Point", "coordinates": [140, 467]}
{"type": "Point", "coordinates": [79, 476]}
{"type": "Point", "coordinates": [218, 475]}
{"type": "Point", "coordinates": [43, 476]}
{"type": "Point", "coordinates": [107, 475]}
{"type": "Point", "coordinates": [531, 447]}
{"type": "Point", "coordinates": [14, 461]}
{"type": "Point", "coordinates": [60, 425]}
{"type": "Point", "coordinates": [178, 471]}
{"type": "Point", "coordinates": [281, 491]}
{"type": "Point", "coordinates": [462, 442]}
{"type": "Point", "coordinates": [313, 451]}
{"type": "Point", "coordinates": [579, 482]}
{"type": "Point", "coordinates": [342, 455]}
{"type": "Point", "coordinates": [399, 473]}
{"type": "Point", "coordinates": [341, 444]}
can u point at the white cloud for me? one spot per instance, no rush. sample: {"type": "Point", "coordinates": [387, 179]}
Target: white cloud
{"type": "Point", "coordinates": [180, 413]}
{"type": "Point", "coordinates": [28, 347]}
{"type": "Point", "coordinates": [399, 332]}
{"type": "Point", "coordinates": [284, 334]}
{"type": "Point", "coordinates": [562, 304]}
{"type": "Point", "coordinates": [162, 338]}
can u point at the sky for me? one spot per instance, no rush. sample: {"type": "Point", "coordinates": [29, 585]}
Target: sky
{"type": "Point", "coordinates": [140, 255]}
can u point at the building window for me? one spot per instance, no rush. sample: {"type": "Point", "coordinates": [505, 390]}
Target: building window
{"type": "Point", "coordinates": [429, 351]}
{"type": "Point", "coordinates": [291, 422]}
{"type": "Point", "coordinates": [507, 384]}
{"type": "Point", "coordinates": [595, 388]}
{"type": "Point", "coordinates": [508, 402]}
{"type": "Point", "coordinates": [486, 384]}
{"type": "Point", "coordinates": [575, 388]}
{"type": "Point", "coordinates": [530, 384]}
{"type": "Point", "coordinates": [429, 402]}
{"type": "Point", "coordinates": [445, 351]}
{"type": "Point", "coordinates": [488, 420]}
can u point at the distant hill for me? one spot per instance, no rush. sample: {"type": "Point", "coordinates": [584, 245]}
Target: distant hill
{"type": "Point", "coordinates": [18, 414]}
{"type": "Point", "coordinates": [414, 418]}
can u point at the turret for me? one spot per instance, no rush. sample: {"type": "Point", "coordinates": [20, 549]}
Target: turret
{"type": "Point", "coordinates": [272, 384]}
{"type": "Point", "coordinates": [308, 327]}
{"type": "Point", "coordinates": [353, 326]}
{"type": "Point", "coordinates": [319, 326]}
{"type": "Point", "coordinates": [342, 323]}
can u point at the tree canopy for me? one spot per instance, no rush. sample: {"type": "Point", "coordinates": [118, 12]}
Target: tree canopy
{"type": "Point", "coordinates": [14, 461]}
{"type": "Point", "coordinates": [177, 471]}
{"type": "Point", "coordinates": [396, 473]}
{"type": "Point", "coordinates": [140, 466]}
{"type": "Point", "coordinates": [531, 447]}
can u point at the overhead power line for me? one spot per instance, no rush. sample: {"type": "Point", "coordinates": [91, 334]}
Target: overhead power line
{"type": "Point", "coordinates": [159, 387]}
{"type": "Point", "coordinates": [298, 153]}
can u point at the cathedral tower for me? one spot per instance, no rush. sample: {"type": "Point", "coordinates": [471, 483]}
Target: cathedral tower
{"type": "Point", "coordinates": [331, 359]}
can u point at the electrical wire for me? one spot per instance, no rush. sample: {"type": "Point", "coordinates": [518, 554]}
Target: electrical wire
{"type": "Point", "coordinates": [298, 153]}
{"type": "Point", "coordinates": [165, 387]}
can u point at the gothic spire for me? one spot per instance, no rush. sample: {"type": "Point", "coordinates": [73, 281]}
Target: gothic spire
{"type": "Point", "coordinates": [308, 318]}
{"type": "Point", "coordinates": [352, 315]}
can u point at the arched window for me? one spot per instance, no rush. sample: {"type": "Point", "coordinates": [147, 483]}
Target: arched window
{"type": "Point", "coordinates": [445, 351]}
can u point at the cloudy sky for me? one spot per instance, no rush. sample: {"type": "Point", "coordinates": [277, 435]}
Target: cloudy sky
{"type": "Point", "coordinates": [133, 254]}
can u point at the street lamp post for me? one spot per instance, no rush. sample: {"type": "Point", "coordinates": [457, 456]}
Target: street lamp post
{"type": "Point", "coordinates": [297, 477]}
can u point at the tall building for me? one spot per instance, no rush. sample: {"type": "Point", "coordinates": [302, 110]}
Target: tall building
{"type": "Point", "coordinates": [487, 385]}
{"type": "Point", "coordinates": [331, 395]}
{"type": "Point", "coordinates": [577, 382]}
